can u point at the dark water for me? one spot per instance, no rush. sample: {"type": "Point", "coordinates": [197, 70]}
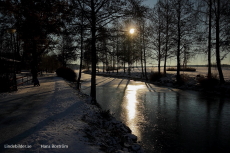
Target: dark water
{"type": "Point", "coordinates": [168, 120]}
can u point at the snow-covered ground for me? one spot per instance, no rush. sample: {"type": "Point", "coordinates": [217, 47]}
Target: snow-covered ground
{"type": "Point", "coordinates": [43, 116]}
{"type": "Point", "coordinates": [56, 118]}
{"type": "Point", "coordinates": [191, 79]}
{"type": "Point", "coordinates": [136, 72]}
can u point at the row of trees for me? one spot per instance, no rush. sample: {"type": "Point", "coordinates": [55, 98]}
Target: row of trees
{"type": "Point", "coordinates": [40, 23]}
{"type": "Point", "coordinates": [98, 32]}
{"type": "Point", "coordinates": [185, 28]}
{"type": "Point", "coordinates": [217, 22]}
{"type": "Point", "coordinates": [173, 29]}
{"type": "Point", "coordinates": [35, 23]}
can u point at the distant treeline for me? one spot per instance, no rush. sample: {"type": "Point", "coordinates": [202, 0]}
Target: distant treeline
{"type": "Point", "coordinates": [73, 66]}
{"type": "Point", "coordinates": [214, 65]}
{"type": "Point", "coordinates": [182, 69]}
{"type": "Point", "coordinates": [222, 65]}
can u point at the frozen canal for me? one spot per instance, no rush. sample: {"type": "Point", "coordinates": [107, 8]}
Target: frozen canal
{"type": "Point", "coordinates": [166, 119]}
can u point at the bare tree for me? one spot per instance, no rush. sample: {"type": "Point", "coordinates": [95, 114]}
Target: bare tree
{"type": "Point", "coordinates": [185, 24]}
{"type": "Point", "coordinates": [36, 24]}
{"type": "Point", "coordinates": [158, 35]}
{"type": "Point", "coordinates": [66, 49]}
{"type": "Point", "coordinates": [167, 17]}
{"type": "Point", "coordinates": [221, 13]}
{"type": "Point", "coordinates": [101, 12]}
{"type": "Point", "coordinates": [217, 20]}
{"type": "Point", "coordinates": [209, 38]}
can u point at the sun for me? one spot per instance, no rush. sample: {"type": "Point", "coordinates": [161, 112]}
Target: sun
{"type": "Point", "coordinates": [132, 31]}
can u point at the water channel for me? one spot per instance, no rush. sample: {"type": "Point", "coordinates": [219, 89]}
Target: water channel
{"type": "Point", "coordinates": [166, 120]}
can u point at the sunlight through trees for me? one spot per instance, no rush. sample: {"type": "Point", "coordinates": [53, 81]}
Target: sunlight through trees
{"type": "Point", "coordinates": [117, 34]}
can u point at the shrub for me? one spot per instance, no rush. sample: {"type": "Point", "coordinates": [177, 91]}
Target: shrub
{"type": "Point", "coordinates": [184, 78]}
{"type": "Point", "coordinates": [171, 69]}
{"type": "Point", "coordinates": [105, 114]}
{"type": "Point", "coordinates": [214, 75]}
{"type": "Point", "coordinates": [188, 69]}
{"type": "Point", "coordinates": [110, 68]}
{"type": "Point", "coordinates": [181, 69]}
{"type": "Point", "coordinates": [4, 87]}
{"type": "Point", "coordinates": [154, 76]}
{"type": "Point", "coordinates": [66, 73]}
{"type": "Point", "coordinates": [208, 83]}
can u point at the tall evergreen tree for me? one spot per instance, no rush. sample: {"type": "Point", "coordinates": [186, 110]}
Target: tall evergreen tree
{"type": "Point", "coordinates": [35, 21]}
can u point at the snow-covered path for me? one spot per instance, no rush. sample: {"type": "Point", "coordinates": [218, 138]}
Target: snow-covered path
{"type": "Point", "coordinates": [38, 117]}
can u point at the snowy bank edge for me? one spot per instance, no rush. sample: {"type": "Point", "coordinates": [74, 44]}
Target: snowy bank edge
{"type": "Point", "coordinates": [170, 81]}
{"type": "Point", "coordinates": [104, 130]}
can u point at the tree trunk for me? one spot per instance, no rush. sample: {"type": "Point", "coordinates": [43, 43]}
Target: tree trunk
{"type": "Point", "coordinates": [165, 60]}
{"type": "Point", "coordinates": [93, 54]}
{"type": "Point", "coordinates": [18, 47]}
{"type": "Point", "coordinates": [81, 58]}
{"type": "Point", "coordinates": [142, 67]}
{"type": "Point", "coordinates": [113, 58]}
{"type": "Point", "coordinates": [159, 52]}
{"type": "Point", "coordinates": [146, 76]}
{"type": "Point", "coordinates": [129, 47]}
{"type": "Point", "coordinates": [34, 64]}
{"type": "Point", "coordinates": [117, 52]}
{"type": "Point", "coordinates": [159, 66]}
{"type": "Point", "coordinates": [14, 53]}
{"type": "Point", "coordinates": [106, 61]}
{"type": "Point", "coordinates": [124, 66]}
{"type": "Point", "coordinates": [209, 39]}
{"type": "Point", "coordinates": [144, 49]}
{"type": "Point", "coordinates": [167, 38]}
{"type": "Point", "coordinates": [218, 62]}
{"type": "Point", "coordinates": [178, 43]}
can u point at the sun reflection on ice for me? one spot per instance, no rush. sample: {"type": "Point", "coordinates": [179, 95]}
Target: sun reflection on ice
{"type": "Point", "coordinates": [132, 100]}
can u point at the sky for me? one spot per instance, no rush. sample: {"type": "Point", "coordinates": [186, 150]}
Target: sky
{"type": "Point", "coordinates": [198, 60]}
{"type": "Point", "coordinates": [150, 3]}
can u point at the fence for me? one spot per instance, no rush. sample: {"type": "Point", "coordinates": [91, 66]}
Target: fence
{"type": "Point", "coordinates": [20, 81]}
{"type": "Point", "coordinates": [23, 79]}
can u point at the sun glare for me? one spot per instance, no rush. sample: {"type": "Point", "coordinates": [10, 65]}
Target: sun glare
{"type": "Point", "coordinates": [132, 100]}
{"type": "Point", "coordinates": [132, 31]}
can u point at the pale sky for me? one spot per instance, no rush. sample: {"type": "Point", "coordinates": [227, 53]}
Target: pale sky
{"type": "Point", "coordinates": [150, 3]}
{"type": "Point", "coordinates": [199, 59]}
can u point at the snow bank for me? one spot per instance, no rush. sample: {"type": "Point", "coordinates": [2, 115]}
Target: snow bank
{"type": "Point", "coordinates": [191, 81]}
{"type": "Point", "coordinates": [106, 131]}
{"type": "Point", "coordinates": [46, 119]}
{"type": "Point", "coordinates": [56, 118]}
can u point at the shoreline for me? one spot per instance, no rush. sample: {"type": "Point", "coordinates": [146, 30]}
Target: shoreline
{"type": "Point", "coordinates": [105, 131]}
{"type": "Point", "coordinates": [65, 121]}
{"type": "Point", "coordinates": [191, 83]}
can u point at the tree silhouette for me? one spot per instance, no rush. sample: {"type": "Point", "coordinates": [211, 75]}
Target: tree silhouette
{"type": "Point", "coordinates": [99, 13]}
{"type": "Point", "coordinates": [35, 21]}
